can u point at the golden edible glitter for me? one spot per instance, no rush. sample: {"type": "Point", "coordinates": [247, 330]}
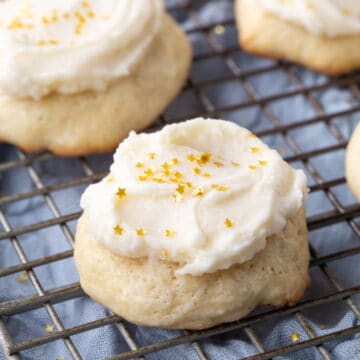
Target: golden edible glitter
{"type": "Point", "coordinates": [228, 223]}
{"type": "Point", "coordinates": [140, 232]}
{"type": "Point", "coordinates": [166, 166]}
{"type": "Point", "coordinates": [165, 253]}
{"type": "Point", "coordinates": [23, 277]}
{"type": "Point", "coordinates": [174, 161]}
{"type": "Point", "coordinates": [49, 328]}
{"type": "Point", "coordinates": [262, 162]}
{"type": "Point", "coordinates": [160, 179]}
{"type": "Point", "coordinates": [207, 174]}
{"type": "Point", "coordinates": [204, 158]}
{"type": "Point", "coordinates": [234, 163]}
{"type": "Point", "coordinates": [199, 191]}
{"type": "Point", "coordinates": [121, 193]}
{"type": "Point", "coordinates": [149, 172]}
{"type": "Point", "coordinates": [118, 230]}
{"type": "Point", "coordinates": [169, 233]}
{"type": "Point", "coordinates": [294, 336]}
{"type": "Point", "coordinates": [220, 187]}
{"type": "Point", "coordinates": [151, 156]}
{"type": "Point", "coordinates": [178, 197]}
{"type": "Point", "coordinates": [218, 163]}
{"type": "Point", "coordinates": [219, 29]}
{"type": "Point", "coordinates": [142, 178]}
{"type": "Point", "coordinates": [196, 171]}
{"type": "Point", "coordinates": [139, 165]}
{"type": "Point", "coordinates": [252, 167]}
{"type": "Point", "coordinates": [188, 184]}
{"type": "Point", "coordinates": [255, 149]}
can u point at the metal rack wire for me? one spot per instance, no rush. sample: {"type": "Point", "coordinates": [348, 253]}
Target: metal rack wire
{"type": "Point", "coordinates": [224, 55]}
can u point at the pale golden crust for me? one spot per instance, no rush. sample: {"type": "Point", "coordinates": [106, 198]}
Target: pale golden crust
{"type": "Point", "coordinates": [352, 163]}
{"type": "Point", "coordinates": [93, 122]}
{"type": "Point", "coordinates": [151, 294]}
{"type": "Point", "coordinates": [262, 33]}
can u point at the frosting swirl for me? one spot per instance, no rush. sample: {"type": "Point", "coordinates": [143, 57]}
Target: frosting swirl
{"type": "Point", "coordinates": [71, 46]}
{"type": "Point", "coordinates": [320, 17]}
{"type": "Point", "coordinates": [168, 197]}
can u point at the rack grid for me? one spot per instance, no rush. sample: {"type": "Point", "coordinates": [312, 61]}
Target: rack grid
{"type": "Point", "coordinates": [219, 66]}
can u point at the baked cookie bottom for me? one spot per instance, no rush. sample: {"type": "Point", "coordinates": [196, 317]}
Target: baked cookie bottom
{"type": "Point", "coordinates": [94, 122]}
{"type": "Point", "coordinates": [150, 293]}
{"type": "Point", "coordinates": [264, 34]}
{"type": "Point", "coordinates": [352, 163]}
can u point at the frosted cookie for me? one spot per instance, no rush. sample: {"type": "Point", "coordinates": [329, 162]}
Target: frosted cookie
{"type": "Point", "coordinates": [77, 76]}
{"type": "Point", "coordinates": [194, 226]}
{"type": "Point", "coordinates": [321, 34]}
{"type": "Point", "coordinates": [352, 163]}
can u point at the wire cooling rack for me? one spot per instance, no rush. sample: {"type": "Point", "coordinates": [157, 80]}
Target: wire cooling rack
{"type": "Point", "coordinates": [219, 68]}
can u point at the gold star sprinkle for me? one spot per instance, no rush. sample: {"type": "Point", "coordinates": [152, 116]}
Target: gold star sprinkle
{"type": "Point", "coordinates": [175, 180]}
{"type": "Point", "coordinates": [252, 167]}
{"type": "Point", "coordinates": [121, 193]}
{"type": "Point", "coordinates": [118, 230]}
{"type": "Point", "coordinates": [196, 171]}
{"type": "Point", "coordinates": [23, 277]}
{"type": "Point", "coordinates": [149, 172]}
{"type": "Point", "coordinates": [178, 174]}
{"type": "Point", "coordinates": [142, 178]}
{"type": "Point", "coordinates": [139, 165]}
{"type": "Point", "coordinates": [140, 232]}
{"type": "Point", "coordinates": [204, 158]}
{"type": "Point", "coordinates": [110, 178]}
{"type": "Point", "coordinates": [181, 188]}
{"type": "Point", "coordinates": [220, 187]}
{"type": "Point", "coordinates": [228, 223]}
{"type": "Point", "coordinates": [262, 162]}
{"type": "Point", "coordinates": [166, 166]}
{"type": "Point", "coordinates": [169, 233]}
{"type": "Point", "coordinates": [165, 253]}
{"type": "Point", "coordinates": [255, 149]}
{"type": "Point", "coordinates": [219, 29]}
{"type": "Point", "coordinates": [188, 184]}
{"type": "Point", "coordinates": [151, 156]}
{"type": "Point", "coordinates": [159, 180]}
{"type": "Point", "coordinates": [294, 336]}
{"type": "Point", "coordinates": [178, 197]}
{"type": "Point", "coordinates": [218, 163]}
{"type": "Point", "coordinates": [174, 161]}
{"type": "Point", "coordinates": [49, 328]}
{"type": "Point", "coordinates": [234, 163]}
{"type": "Point", "coordinates": [191, 157]}
{"type": "Point", "coordinates": [199, 191]}
{"type": "Point", "coordinates": [207, 174]}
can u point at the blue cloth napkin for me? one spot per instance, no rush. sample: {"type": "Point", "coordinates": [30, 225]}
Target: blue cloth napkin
{"type": "Point", "coordinates": [107, 341]}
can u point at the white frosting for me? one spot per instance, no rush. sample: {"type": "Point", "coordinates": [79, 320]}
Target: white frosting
{"type": "Point", "coordinates": [320, 17]}
{"type": "Point", "coordinates": [256, 191]}
{"type": "Point", "coordinates": [68, 46]}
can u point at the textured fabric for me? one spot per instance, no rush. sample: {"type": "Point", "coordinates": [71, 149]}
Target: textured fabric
{"type": "Point", "coordinates": [107, 341]}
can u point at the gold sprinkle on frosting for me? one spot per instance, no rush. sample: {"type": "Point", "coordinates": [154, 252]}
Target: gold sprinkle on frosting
{"type": "Point", "coordinates": [165, 253]}
{"type": "Point", "coordinates": [207, 174]}
{"type": "Point", "coordinates": [191, 157]}
{"type": "Point", "coordinates": [252, 167]}
{"type": "Point", "coordinates": [178, 197]}
{"type": "Point", "coordinates": [199, 191]}
{"type": "Point", "coordinates": [110, 179]}
{"type": "Point", "coordinates": [174, 161]}
{"type": "Point", "coordinates": [218, 164]}
{"type": "Point", "coordinates": [196, 171]}
{"type": "Point", "coordinates": [118, 230]}
{"type": "Point", "coordinates": [151, 156]}
{"type": "Point", "coordinates": [220, 187]}
{"type": "Point", "coordinates": [49, 328]}
{"type": "Point", "coordinates": [181, 188]}
{"type": "Point", "coordinates": [169, 233]}
{"type": "Point", "coordinates": [262, 162]}
{"type": "Point", "coordinates": [228, 223]}
{"type": "Point", "coordinates": [121, 193]}
{"type": "Point", "coordinates": [255, 149]}
{"type": "Point", "coordinates": [139, 165]}
{"type": "Point", "coordinates": [140, 232]}
{"type": "Point", "coordinates": [235, 164]}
